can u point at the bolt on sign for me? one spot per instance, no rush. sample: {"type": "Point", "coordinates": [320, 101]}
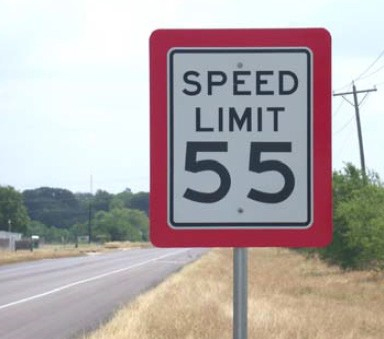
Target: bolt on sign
{"type": "Point", "coordinates": [240, 137]}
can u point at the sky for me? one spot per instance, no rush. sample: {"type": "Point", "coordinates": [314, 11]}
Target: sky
{"type": "Point", "coordinates": [74, 82]}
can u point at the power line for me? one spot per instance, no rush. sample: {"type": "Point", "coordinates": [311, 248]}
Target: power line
{"type": "Point", "coordinates": [345, 125]}
{"type": "Point", "coordinates": [342, 87]}
{"type": "Point", "coordinates": [372, 73]}
{"type": "Point", "coordinates": [344, 143]}
{"type": "Point", "coordinates": [338, 109]}
{"type": "Point", "coordinates": [361, 76]}
{"type": "Point", "coordinates": [370, 66]}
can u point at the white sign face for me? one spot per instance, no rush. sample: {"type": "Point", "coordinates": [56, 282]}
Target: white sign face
{"type": "Point", "coordinates": [240, 137]}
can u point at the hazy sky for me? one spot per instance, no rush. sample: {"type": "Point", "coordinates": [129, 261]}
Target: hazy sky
{"type": "Point", "coordinates": [74, 88]}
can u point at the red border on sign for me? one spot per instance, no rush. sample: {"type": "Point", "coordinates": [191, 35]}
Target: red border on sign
{"type": "Point", "coordinates": [320, 233]}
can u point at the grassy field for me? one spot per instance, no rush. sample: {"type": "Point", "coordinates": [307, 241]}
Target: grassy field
{"type": "Point", "coordinates": [289, 297]}
{"type": "Point", "coordinates": [61, 251]}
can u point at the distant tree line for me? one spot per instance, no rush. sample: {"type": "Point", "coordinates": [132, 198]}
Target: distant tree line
{"type": "Point", "coordinates": [58, 215]}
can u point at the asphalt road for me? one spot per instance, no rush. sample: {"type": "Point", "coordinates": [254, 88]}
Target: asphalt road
{"type": "Point", "coordinates": [63, 298]}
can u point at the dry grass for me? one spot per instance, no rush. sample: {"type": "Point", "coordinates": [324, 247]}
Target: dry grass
{"type": "Point", "coordinates": [289, 297]}
{"type": "Point", "coordinates": [126, 244]}
{"type": "Point", "coordinates": [62, 251]}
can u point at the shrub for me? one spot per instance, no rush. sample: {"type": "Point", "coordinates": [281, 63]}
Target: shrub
{"type": "Point", "coordinates": [358, 221]}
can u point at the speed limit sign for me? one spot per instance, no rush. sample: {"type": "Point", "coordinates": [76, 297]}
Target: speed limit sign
{"type": "Point", "coordinates": [240, 138]}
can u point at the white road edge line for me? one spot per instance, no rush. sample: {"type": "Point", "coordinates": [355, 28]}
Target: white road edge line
{"type": "Point", "coordinates": [84, 281]}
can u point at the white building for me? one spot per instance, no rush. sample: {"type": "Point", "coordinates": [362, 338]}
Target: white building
{"type": "Point", "coordinates": [7, 240]}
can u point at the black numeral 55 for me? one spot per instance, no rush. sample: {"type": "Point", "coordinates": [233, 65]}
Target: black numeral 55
{"type": "Point", "coordinates": [255, 165]}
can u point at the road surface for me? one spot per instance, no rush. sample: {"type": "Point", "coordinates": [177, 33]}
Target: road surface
{"type": "Point", "coordinates": [63, 298]}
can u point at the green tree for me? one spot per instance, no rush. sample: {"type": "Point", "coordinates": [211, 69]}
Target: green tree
{"type": "Point", "coordinates": [101, 201]}
{"type": "Point", "coordinates": [358, 221]}
{"type": "Point", "coordinates": [79, 229]}
{"type": "Point", "coordinates": [139, 220]}
{"type": "Point", "coordinates": [346, 182]}
{"type": "Point", "coordinates": [120, 224]}
{"type": "Point", "coordinates": [140, 201]}
{"type": "Point", "coordinates": [53, 206]}
{"type": "Point", "coordinates": [13, 214]}
{"type": "Point", "coordinates": [122, 199]}
{"type": "Point", "coordinates": [50, 234]}
{"type": "Point", "coordinates": [127, 199]}
{"type": "Point", "coordinates": [84, 200]}
{"type": "Point", "coordinates": [36, 228]}
{"type": "Point", "coordinates": [116, 202]}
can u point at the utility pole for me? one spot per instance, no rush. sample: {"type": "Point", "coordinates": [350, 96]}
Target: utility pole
{"type": "Point", "coordinates": [356, 104]}
{"type": "Point", "coordinates": [90, 212]}
{"type": "Point", "coordinates": [10, 233]}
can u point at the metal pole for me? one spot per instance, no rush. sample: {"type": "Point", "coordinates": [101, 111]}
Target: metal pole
{"type": "Point", "coordinates": [10, 234]}
{"type": "Point", "coordinates": [240, 293]}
